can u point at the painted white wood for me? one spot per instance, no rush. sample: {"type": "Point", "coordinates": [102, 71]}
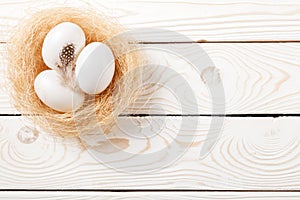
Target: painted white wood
{"type": "Point", "coordinates": [149, 195]}
{"type": "Point", "coordinates": [5, 103]}
{"type": "Point", "coordinates": [251, 153]}
{"type": "Point", "coordinates": [257, 78]}
{"type": "Point", "coordinates": [215, 20]}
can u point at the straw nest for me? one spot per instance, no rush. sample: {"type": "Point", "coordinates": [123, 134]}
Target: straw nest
{"type": "Point", "coordinates": [25, 63]}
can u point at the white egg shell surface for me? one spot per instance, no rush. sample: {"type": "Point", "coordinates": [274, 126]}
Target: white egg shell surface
{"type": "Point", "coordinates": [95, 68]}
{"type": "Point", "coordinates": [58, 37]}
{"type": "Point", "coordinates": [50, 89]}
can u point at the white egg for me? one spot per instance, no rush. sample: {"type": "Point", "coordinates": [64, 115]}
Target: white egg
{"type": "Point", "coordinates": [50, 89]}
{"type": "Point", "coordinates": [95, 68]}
{"type": "Point", "coordinates": [57, 38]}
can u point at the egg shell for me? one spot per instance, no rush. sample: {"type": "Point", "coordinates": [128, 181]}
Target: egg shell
{"type": "Point", "coordinates": [57, 38]}
{"type": "Point", "coordinates": [95, 68]}
{"type": "Point", "coordinates": [50, 89]}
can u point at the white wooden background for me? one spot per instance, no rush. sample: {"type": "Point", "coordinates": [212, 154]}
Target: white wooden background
{"type": "Point", "coordinates": [254, 45]}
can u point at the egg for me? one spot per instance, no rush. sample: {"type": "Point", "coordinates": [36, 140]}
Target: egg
{"type": "Point", "coordinates": [50, 89]}
{"type": "Point", "coordinates": [62, 44]}
{"type": "Point", "coordinates": [95, 67]}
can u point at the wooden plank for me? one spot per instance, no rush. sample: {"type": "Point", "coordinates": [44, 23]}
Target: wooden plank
{"type": "Point", "coordinates": [150, 195]}
{"type": "Point", "coordinates": [215, 20]}
{"type": "Point", "coordinates": [257, 78]}
{"type": "Point", "coordinates": [250, 154]}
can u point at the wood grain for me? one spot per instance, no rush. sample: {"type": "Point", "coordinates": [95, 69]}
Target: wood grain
{"type": "Point", "coordinates": [149, 195]}
{"type": "Point", "coordinates": [5, 104]}
{"type": "Point", "coordinates": [200, 20]}
{"type": "Point", "coordinates": [257, 78]}
{"type": "Point", "coordinates": [251, 154]}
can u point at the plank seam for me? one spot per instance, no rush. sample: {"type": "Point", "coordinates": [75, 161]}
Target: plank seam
{"type": "Point", "coordinates": [185, 115]}
{"type": "Point", "coordinates": [224, 41]}
{"type": "Point", "coordinates": [213, 42]}
{"type": "Point", "coordinates": [138, 190]}
{"type": "Point", "coordinates": [211, 115]}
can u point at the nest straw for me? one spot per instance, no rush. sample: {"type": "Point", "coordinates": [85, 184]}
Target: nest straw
{"type": "Point", "coordinates": [25, 63]}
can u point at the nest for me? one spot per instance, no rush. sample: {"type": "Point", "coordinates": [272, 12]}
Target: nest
{"type": "Point", "coordinates": [25, 63]}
